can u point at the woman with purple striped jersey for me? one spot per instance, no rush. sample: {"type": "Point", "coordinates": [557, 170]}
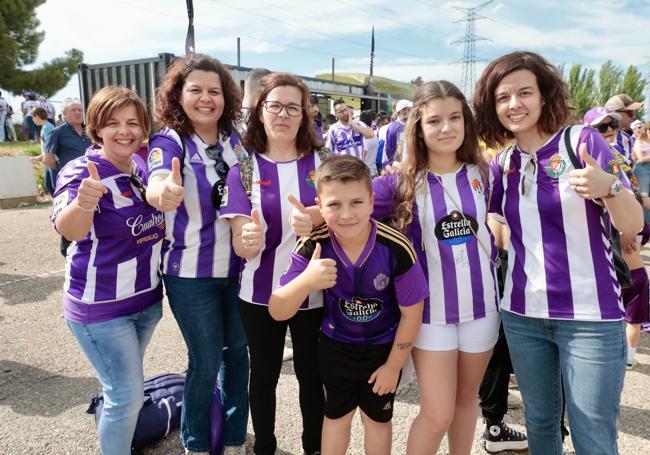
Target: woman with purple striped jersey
{"type": "Point", "coordinates": [280, 137]}
{"type": "Point", "coordinates": [562, 308]}
{"type": "Point", "coordinates": [198, 105]}
{"type": "Point", "coordinates": [439, 199]}
{"type": "Point", "coordinates": [113, 292]}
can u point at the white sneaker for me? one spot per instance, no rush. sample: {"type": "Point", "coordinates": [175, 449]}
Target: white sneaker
{"type": "Point", "coordinates": [287, 354]}
{"type": "Point", "coordinates": [631, 363]}
{"type": "Point", "coordinates": [514, 402]}
{"type": "Point", "coordinates": [235, 450]}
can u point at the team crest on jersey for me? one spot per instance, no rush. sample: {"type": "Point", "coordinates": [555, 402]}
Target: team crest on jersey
{"type": "Point", "coordinates": [477, 186]}
{"type": "Point", "coordinates": [556, 166]}
{"type": "Point", "coordinates": [456, 228]}
{"type": "Point", "coordinates": [381, 281]}
{"type": "Point", "coordinates": [60, 202]}
{"type": "Point", "coordinates": [360, 310]}
{"type": "Point", "coordinates": [310, 179]}
{"type": "Point", "coordinates": [155, 158]}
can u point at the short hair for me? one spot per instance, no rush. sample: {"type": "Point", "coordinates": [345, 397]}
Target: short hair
{"type": "Point", "coordinates": [169, 112]}
{"type": "Point", "coordinates": [255, 139]}
{"type": "Point", "coordinates": [40, 113]}
{"type": "Point", "coordinates": [69, 101]}
{"type": "Point", "coordinates": [555, 96]}
{"type": "Point", "coordinates": [343, 169]}
{"type": "Point", "coordinates": [644, 134]}
{"type": "Point", "coordinates": [337, 102]}
{"type": "Point", "coordinates": [109, 100]}
{"type": "Point", "coordinates": [366, 117]}
{"type": "Point", "coordinates": [313, 99]}
{"type": "Point", "coordinates": [252, 81]}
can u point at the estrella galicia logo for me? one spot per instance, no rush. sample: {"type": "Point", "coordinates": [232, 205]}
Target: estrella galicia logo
{"type": "Point", "coordinates": [360, 310]}
{"type": "Point", "coordinates": [455, 229]}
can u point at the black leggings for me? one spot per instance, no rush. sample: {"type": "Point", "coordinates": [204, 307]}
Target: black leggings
{"type": "Point", "coordinates": [266, 344]}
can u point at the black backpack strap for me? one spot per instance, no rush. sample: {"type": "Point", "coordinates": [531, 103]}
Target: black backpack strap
{"type": "Point", "coordinates": [183, 153]}
{"type": "Point", "coordinates": [246, 174]}
{"type": "Point", "coordinates": [569, 148]}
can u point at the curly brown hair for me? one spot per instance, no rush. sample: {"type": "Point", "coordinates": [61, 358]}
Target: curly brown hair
{"type": "Point", "coordinates": [255, 139]}
{"type": "Point", "coordinates": [169, 112]}
{"type": "Point", "coordinates": [108, 101]}
{"type": "Point", "coordinates": [417, 163]}
{"type": "Point", "coordinates": [555, 109]}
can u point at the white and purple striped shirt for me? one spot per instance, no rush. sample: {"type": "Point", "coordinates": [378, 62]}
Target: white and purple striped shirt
{"type": "Point", "coordinates": [345, 140]}
{"type": "Point", "coordinates": [460, 273]}
{"type": "Point", "coordinates": [197, 244]}
{"type": "Point", "coordinates": [271, 183]}
{"type": "Point", "coordinates": [559, 257]}
{"type": "Point", "coordinates": [114, 271]}
{"type": "Point", "coordinates": [623, 144]}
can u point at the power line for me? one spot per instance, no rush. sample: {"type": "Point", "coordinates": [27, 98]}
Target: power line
{"type": "Point", "coordinates": [470, 59]}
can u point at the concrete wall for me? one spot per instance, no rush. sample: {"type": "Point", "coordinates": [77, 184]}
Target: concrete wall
{"type": "Point", "coordinates": [17, 182]}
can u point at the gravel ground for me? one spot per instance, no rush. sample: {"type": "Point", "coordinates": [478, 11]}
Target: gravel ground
{"type": "Point", "coordinates": [46, 383]}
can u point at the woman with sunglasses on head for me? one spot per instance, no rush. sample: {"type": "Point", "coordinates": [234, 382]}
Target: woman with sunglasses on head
{"type": "Point", "coordinates": [270, 194]}
{"type": "Point", "coordinates": [112, 297]}
{"type": "Point", "coordinates": [198, 104]}
{"type": "Point", "coordinates": [439, 197]}
{"type": "Point", "coordinates": [562, 310]}
{"type": "Point", "coordinates": [635, 297]}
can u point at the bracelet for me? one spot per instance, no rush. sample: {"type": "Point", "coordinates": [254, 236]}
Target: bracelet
{"type": "Point", "coordinates": [86, 210]}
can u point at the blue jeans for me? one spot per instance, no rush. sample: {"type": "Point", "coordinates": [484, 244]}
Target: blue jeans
{"type": "Point", "coordinates": [115, 349]}
{"type": "Point", "coordinates": [207, 313]}
{"type": "Point", "coordinates": [589, 358]}
{"type": "Point", "coordinates": [642, 173]}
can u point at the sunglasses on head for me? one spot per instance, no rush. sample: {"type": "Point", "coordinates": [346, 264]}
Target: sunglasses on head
{"type": "Point", "coordinates": [602, 127]}
{"type": "Point", "coordinates": [139, 185]}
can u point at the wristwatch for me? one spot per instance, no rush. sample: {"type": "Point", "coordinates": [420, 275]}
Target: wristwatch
{"type": "Point", "coordinates": [615, 189]}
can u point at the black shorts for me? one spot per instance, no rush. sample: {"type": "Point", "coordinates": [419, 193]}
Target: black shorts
{"type": "Point", "coordinates": [345, 369]}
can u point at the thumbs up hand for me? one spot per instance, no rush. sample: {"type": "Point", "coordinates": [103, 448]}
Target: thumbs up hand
{"type": "Point", "coordinates": [90, 190]}
{"type": "Point", "coordinates": [252, 233]}
{"type": "Point", "coordinates": [172, 193]}
{"type": "Point", "coordinates": [320, 273]}
{"type": "Point", "coordinates": [590, 182]}
{"type": "Point", "coordinates": [299, 218]}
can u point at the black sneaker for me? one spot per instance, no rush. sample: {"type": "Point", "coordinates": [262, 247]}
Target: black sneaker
{"type": "Point", "coordinates": [498, 437]}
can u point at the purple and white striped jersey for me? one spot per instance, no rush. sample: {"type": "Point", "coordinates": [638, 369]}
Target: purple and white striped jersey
{"type": "Point", "coordinates": [197, 244]}
{"type": "Point", "coordinates": [271, 183]}
{"type": "Point", "coordinates": [623, 144]}
{"type": "Point", "coordinates": [393, 139]}
{"type": "Point", "coordinates": [345, 140]}
{"type": "Point", "coordinates": [559, 257]}
{"type": "Point", "coordinates": [459, 270]}
{"type": "Point", "coordinates": [114, 271]}
{"type": "Point", "coordinates": [363, 306]}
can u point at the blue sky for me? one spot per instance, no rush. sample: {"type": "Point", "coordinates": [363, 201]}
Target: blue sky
{"type": "Point", "coordinates": [413, 38]}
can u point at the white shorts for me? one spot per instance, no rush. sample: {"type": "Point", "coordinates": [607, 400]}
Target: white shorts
{"type": "Point", "coordinates": [471, 336]}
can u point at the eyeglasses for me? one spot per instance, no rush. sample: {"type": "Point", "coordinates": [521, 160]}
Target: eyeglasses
{"type": "Point", "coordinates": [529, 173]}
{"type": "Point", "coordinates": [139, 185]}
{"type": "Point", "coordinates": [275, 107]}
{"type": "Point", "coordinates": [602, 127]}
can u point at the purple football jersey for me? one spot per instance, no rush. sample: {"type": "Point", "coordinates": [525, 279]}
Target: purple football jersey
{"type": "Point", "coordinates": [559, 257]}
{"type": "Point", "coordinates": [271, 182]}
{"type": "Point", "coordinates": [197, 244]}
{"type": "Point", "coordinates": [363, 306]}
{"type": "Point", "coordinates": [113, 272]}
{"type": "Point", "coordinates": [393, 139]}
{"type": "Point", "coordinates": [345, 140]}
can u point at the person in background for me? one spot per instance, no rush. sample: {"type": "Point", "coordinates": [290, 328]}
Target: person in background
{"type": "Point", "coordinates": [395, 131]}
{"type": "Point", "coordinates": [371, 144]}
{"type": "Point", "coordinates": [49, 107]}
{"type": "Point", "coordinates": [112, 299]}
{"type": "Point", "coordinates": [197, 107]}
{"type": "Point", "coordinates": [562, 320]}
{"type": "Point", "coordinates": [9, 125]}
{"type": "Point", "coordinates": [4, 106]}
{"type": "Point", "coordinates": [636, 127]}
{"type": "Point", "coordinates": [625, 107]}
{"type": "Point", "coordinates": [27, 106]}
{"type": "Point", "coordinates": [346, 136]}
{"type": "Point", "coordinates": [39, 115]}
{"type": "Point", "coordinates": [317, 116]}
{"type": "Point", "coordinates": [251, 83]}
{"type": "Point", "coordinates": [65, 143]}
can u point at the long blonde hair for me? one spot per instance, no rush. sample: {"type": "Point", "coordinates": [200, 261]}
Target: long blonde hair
{"type": "Point", "coordinates": [417, 163]}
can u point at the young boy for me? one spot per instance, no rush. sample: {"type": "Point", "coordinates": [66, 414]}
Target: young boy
{"type": "Point", "coordinates": [373, 289]}
{"type": "Point", "coordinates": [39, 117]}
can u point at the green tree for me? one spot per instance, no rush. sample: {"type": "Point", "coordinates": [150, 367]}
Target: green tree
{"type": "Point", "coordinates": [19, 41]}
{"type": "Point", "coordinates": [634, 86]}
{"type": "Point", "coordinates": [610, 81]}
{"type": "Point", "coordinates": [581, 83]}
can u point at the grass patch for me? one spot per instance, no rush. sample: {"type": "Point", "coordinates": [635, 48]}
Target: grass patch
{"type": "Point", "coordinates": [19, 149]}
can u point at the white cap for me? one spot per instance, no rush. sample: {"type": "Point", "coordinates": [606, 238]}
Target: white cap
{"type": "Point", "coordinates": [401, 104]}
{"type": "Point", "coordinates": [636, 123]}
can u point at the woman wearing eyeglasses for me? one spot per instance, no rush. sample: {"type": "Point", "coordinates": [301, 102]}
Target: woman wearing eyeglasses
{"type": "Point", "coordinates": [112, 293]}
{"type": "Point", "coordinates": [562, 308]}
{"type": "Point", "coordinates": [263, 193]}
{"type": "Point", "coordinates": [197, 106]}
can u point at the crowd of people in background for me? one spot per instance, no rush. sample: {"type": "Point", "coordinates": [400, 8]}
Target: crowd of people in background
{"type": "Point", "coordinates": [469, 238]}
